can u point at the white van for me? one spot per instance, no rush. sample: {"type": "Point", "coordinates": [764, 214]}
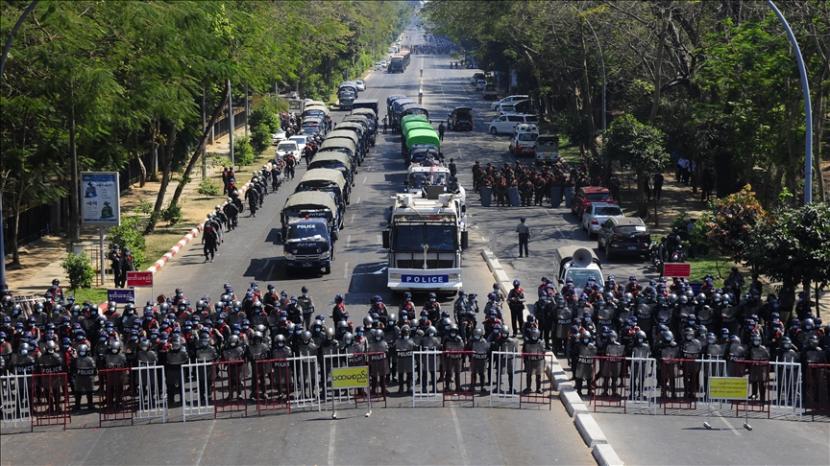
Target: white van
{"type": "Point", "coordinates": [576, 263]}
{"type": "Point", "coordinates": [506, 124]}
{"type": "Point", "coordinates": [511, 99]}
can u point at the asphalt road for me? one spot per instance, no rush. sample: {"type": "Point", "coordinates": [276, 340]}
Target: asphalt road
{"type": "Point", "coordinates": [398, 434]}
{"type": "Point", "coordinates": [638, 439]}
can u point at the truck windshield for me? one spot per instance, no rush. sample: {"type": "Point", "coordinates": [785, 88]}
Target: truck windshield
{"type": "Point", "coordinates": [412, 238]}
{"type": "Point", "coordinates": [306, 231]}
{"type": "Point", "coordinates": [418, 180]}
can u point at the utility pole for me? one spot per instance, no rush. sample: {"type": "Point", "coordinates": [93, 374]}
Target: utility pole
{"type": "Point", "coordinates": [230, 123]}
{"type": "Point", "coordinates": [204, 126]}
{"type": "Point", "coordinates": [808, 106]}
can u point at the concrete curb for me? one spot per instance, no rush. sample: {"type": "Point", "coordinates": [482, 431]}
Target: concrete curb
{"type": "Point", "coordinates": [585, 424]}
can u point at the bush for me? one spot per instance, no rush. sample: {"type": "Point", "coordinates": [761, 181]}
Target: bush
{"type": "Point", "coordinates": [129, 235]}
{"type": "Point", "coordinates": [243, 151]}
{"type": "Point", "coordinates": [264, 116]}
{"type": "Point", "coordinates": [209, 188]}
{"type": "Point", "coordinates": [172, 215]}
{"type": "Point", "coordinates": [144, 207]}
{"type": "Point", "coordinates": [261, 138]}
{"type": "Point", "coordinates": [79, 270]}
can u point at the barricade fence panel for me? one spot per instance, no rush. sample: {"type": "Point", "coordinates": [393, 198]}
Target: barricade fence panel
{"type": "Point", "coordinates": [115, 392]}
{"type": "Point", "coordinates": [426, 365]}
{"type": "Point", "coordinates": [15, 400]}
{"type": "Point", "coordinates": [456, 377]}
{"type": "Point", "coordinates": [196, 386]}
{"type": "Point", "coordinates": [378, 370]}
{"type": "Point", "coordinates": [533, 387]}
{"type": "Point", "coordinates": [272, 385]}
{"type": "Point", "coordinates": [331, 361]}
{"type": "Point", "coordinates": [305, 382]}
{"type": "Point", "coordinates": [230, 387]}
{"type": "Point", "coordinates": [49, 399]}
{"type": "Point", "coordinates": [505, 368]}
{"type": "Point", "coordinates": [150, 392]}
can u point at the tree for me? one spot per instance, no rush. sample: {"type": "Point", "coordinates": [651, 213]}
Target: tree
{"type": "Point", "coordinates": [639, 146]}
{"type": "Point", "coordinates": [732, 221]}
{"type": "Point", "coordinates": [793, 246]}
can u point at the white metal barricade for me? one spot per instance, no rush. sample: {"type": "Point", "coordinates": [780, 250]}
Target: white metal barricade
{"type": "Point", "coordinates": [785, 387]}
{"type": "Point", "coordinates": [151, 392]}
{"type": "Point", "coordinates": [642, 384]}
{"type": "Point", "coordinates": [335, 361]}
{"type": "Point", "coordinates": [15, 402]}
{"type": "Point", "coordinates": [197, 387]}
{"type": "Point", "coordinates": [504, 376]}
{"type": "Point", "coordinates": [426, 367]}
{"type": "Point", "coordinates": [305, 380]}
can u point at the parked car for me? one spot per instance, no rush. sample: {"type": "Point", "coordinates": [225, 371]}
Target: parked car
{"type": "Point", "coordinates": [508, 100]}
{"type": "Point", "coordinates": [547, 148]}
{"type": "Point", "coordinates": [278, 136]}
{"type": "Point", "coordinates": [513, 107]}
{"type": "Point", "coordinates": [460, 119]}
{"type": "Point", "coordinates": [597, 214]}
{"type": "Point", "coordinates": [585, 195]}
{"type": "Point", "coordinates": [361, 86]}
{"type": "Point", "coordinates": [506, 124]}
{"type": "Point", "coordinates": [301, 141]}
{"type": "Point", "coordinates": [478, 77]}
{"type": "Point", "coordinates": [624, 236]}
{"type": "Point", "coordinates": [287, 147]}
{"type": "Point", "coordinates": [524, 142]}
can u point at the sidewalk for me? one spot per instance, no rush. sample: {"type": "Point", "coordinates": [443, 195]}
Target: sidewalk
{"type": "Point", "coordinates": [41, 259]}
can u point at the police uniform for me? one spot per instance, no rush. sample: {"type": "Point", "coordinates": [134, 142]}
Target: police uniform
{"type": "Point", "coordinates": [534, 361]}
{"type": "Point", "coordinates": [452, 361]}
{"type": "Point", "coordinates": [378, 365]}
{"type": "Point", "coordinates": [50, 364]}
{"type": "Point", "coordinates": [115, 381]}
{"type": "Point", "coordinates": [206, 374]}
{"type": "Point", "coordinates": [611, 369]}
{"type": "Point", "coordinates": [173, 361]}
{"type": "Point", "coordinates": [83, 371]}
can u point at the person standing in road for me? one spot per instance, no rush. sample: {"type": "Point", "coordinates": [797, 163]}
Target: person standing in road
{"type": "Point", "coordinates": [524, 236]}
{"type": "Point", "coordinates": [385, 121]}
{"type": "Point", "coordinates": [441, 131]}
{"type": "Point", "coordinates": [453, 168]}
{"type": "Point", "coordinates": [658, 185]}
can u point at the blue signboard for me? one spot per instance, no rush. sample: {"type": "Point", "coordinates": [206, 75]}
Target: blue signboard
{"type": "Point", "coordinates": [100, 200]}
{"type": "Point", "coordinates": [121, 295]}
{"type": "Point", "coordinates": [425, 279]}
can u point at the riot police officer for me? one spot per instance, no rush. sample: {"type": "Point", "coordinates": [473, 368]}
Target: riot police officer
{"type": "Point", "coordinates": [453, 358]}
{"type": "Point", "coordinates": [534, 360]}
{"type": "Point", "coordinates": [205, 352]}
{"type": "Point", "coordinates": [49, 364]}
{"type": "Point", "coordinates": [116, 379]}
{"type": "Point", "coordinates": [306, 305]}
{"type": "Point", "coordinates": [83, 372]}
{"type": "Point", "coordinates": [429, 362]}
{"type": "Point", "coordinates": [378, 366]}
{"type": "Point", "coordinates": [232, 353]}
{"type": "Point", "coordinates": [173, 360]}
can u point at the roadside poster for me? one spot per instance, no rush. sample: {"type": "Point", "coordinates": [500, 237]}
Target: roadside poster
{"type": "Point", "coordinates": [121, 295]}
{"type": "Point", "coordinates": [100, 199]}
{"type": "Point", "coordinates": [677, 269]}
{"type": "Point", "coordinates": [139, 279]}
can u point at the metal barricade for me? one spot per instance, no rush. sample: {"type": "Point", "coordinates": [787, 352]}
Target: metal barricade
{"type": "Point", "coordinates": [49, 399]}
{"type": "Point", "coordinates": [116, 401]}
{"type": "Point", "coordinates": [817, 389]}
{"type": "Point", "coordinates": [15, 400]}
{"type": "Point", "coordinates": [271, 385]}
{"type": "Point", "coordinates": [758, 373]}
{"type": "Point", "coordinates": [456, 378]}
{"type": "Point", "coordinates": [305, 383]}
{"type": "Point", "coordinates": [378, 369]}
{"type": "Point", "coordinates": [197, 387]}
{"type": "Point", "coordinates": [230, 387]}
{"type": "Point", "coordinates": [335, 361]}
{"type": "Point", "coordinates": [150, 392]}
{"type": "Point", "coordinates": [504, 367]}
{"type": "Point", "coordinates": [611, 392]}
{"type": "Point", "coordinates": [785, 388]}
{"type": "Point", "coordinates": [642, 384]}
{"type": "Point", "coordinates": [425, 366]}
{"type": "Point", "coordinates": [533, 365]}
{"type": "Point", "coordinates": [678, 379]}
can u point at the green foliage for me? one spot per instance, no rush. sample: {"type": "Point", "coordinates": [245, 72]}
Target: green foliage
{"type": "Point", "coordinates": [261, 137]}
{"type": "Point", "coordinates": [263, 116]}
{"type": "Point", "coordinates": [129, 235]}
{"type": "Point", "coordinates": [79, 270]}
{"type": "Point", "coordinates": [793, 245]}
{"type": "Point", "coordinates": [172, 215]}
{"type": "Point", "coordinates": [732, 222]}
{"type": "Point", "coordinates": [243, 151]}
{"type": "Point", "coordinates": [144, 207]}
{"type": "Point", "coordinates": [209, 188]}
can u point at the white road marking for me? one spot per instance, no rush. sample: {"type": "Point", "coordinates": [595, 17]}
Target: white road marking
{"type": "Point", "coordinates": [332, 438]}
{"type": "Point", "coordinates": [92, 448]}
{"type": "Point", "coordinates": [207, 439]}
{"type": "Point", "coordinates": [346, 270]}
{"type": "Point", "coordinates": [358, 200]}
{"type": "Point", "coordinates": [364, 179]}
{"type": "Point", "coordinates": [348, 240]}
{"type": "Point", "coordinates": [459, 438]}
{"type": "Point", "coordinates": [351, 218]}
{"type": "Point", "coordinates": [734, 431]}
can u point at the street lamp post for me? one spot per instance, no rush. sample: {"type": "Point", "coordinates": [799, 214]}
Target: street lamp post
{"type": "Point", "coordinates": [808, 106]}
